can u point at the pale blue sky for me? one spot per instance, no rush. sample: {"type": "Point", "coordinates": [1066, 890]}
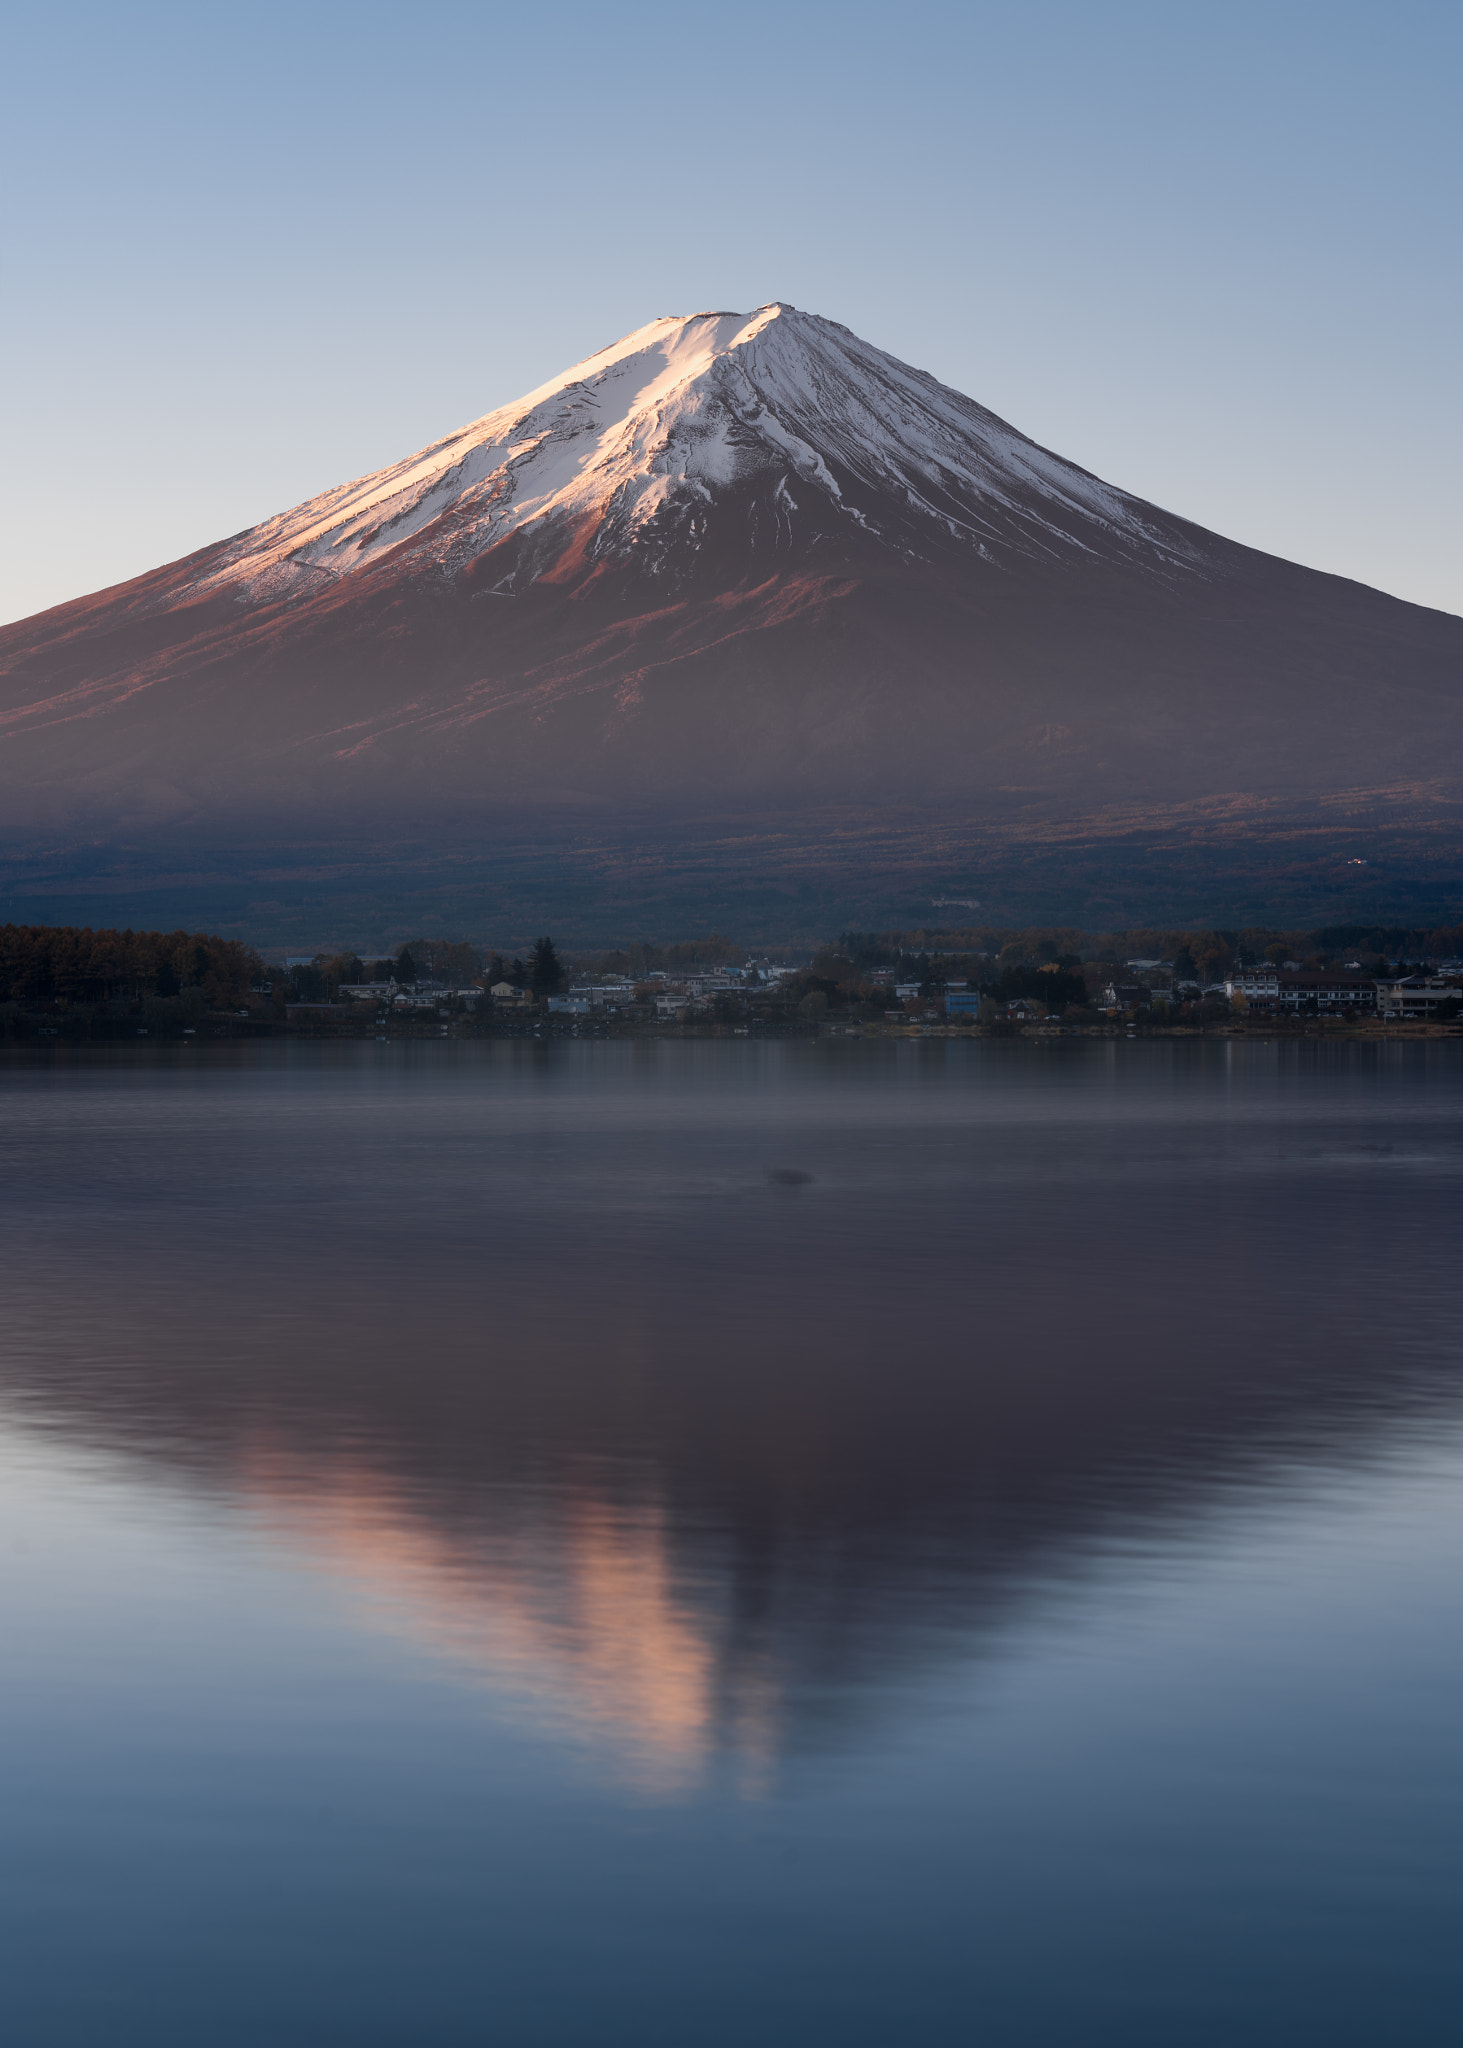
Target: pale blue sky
{"type": "Point", "coordinates": [1209, 251]}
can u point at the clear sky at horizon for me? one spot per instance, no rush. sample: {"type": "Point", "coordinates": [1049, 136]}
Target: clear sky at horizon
{"type": "Point", "coordinates": [1212, 253]}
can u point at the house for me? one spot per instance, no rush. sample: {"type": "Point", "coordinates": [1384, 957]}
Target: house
{"type": "Point", "coordinates": [962, 1002]}
{"type": "Point", "coordinates": [1127, 995]}
{"type": "Point", "coordinates": [569, 1006]}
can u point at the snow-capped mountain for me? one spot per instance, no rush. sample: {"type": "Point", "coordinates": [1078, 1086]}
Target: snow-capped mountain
{"type": "Point", "coordinates": [815, 429]}
{"type": "Point", "coordinates": [741, 575]}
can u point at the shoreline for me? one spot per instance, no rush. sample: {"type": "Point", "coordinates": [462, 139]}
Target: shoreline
{"type": "Point", "coordinates": [556, 1030]}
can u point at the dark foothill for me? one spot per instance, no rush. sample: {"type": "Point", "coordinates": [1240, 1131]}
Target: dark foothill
{"type": "Point", "coordinates": [788, 1176]}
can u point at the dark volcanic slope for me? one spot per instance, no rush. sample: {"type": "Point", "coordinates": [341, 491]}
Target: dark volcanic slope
{"type": "Point", "coordinates": [736, 566]}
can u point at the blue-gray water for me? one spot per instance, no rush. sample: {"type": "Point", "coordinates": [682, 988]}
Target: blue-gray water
{"type": "Point", "coordinates": [482, 1560]}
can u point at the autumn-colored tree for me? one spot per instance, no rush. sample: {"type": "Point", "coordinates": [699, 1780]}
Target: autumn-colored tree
{"type": "Point", "coordinates": [42, 965]}
{"type": "Point", "coordinates": [449, 960]}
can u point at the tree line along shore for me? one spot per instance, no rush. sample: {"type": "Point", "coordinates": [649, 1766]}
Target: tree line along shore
{"type": "Point", "coordinates": [75, 984]}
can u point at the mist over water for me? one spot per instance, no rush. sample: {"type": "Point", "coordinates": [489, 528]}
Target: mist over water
{"type": "Point", "coordinates": [712, 1542]}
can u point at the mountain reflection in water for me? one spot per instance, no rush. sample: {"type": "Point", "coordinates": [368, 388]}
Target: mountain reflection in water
{"type": "Point", "coordinates": [535, 1354]}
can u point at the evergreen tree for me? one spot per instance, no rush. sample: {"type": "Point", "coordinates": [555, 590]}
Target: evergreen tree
{"type": "Point", "coordinates": [406, 968]}
{"type": "Point", "coordinates": [545, 975]}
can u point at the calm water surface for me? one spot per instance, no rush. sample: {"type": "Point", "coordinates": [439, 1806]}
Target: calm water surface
{"type": "Point", "coordinates": [482, 1560]}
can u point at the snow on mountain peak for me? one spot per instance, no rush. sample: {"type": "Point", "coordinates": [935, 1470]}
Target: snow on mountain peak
{"type": "Point", "coordinates": [651, 435]}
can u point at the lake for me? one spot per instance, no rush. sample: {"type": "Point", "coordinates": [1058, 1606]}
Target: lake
{"type": "Point", "coordinates": [713, 1543]}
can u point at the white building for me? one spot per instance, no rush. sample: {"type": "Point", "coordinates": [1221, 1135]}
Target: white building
{"type": "Point", "coordinates": [1416, 996]}
{"type": "Point", "coordinates": [1255, 984]}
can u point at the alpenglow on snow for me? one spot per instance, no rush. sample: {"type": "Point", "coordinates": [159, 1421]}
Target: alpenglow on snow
{"type": "Point", "coordinates": [643, 436]}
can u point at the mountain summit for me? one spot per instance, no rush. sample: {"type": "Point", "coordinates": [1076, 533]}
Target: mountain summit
{"type": "Point", "coordinates": [737, 567]}
{"type": "Point", "coordinates": [768, 433]}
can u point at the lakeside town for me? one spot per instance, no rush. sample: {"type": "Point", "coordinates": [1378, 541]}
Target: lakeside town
{"type": "Point", "coordinates": [62, 983]}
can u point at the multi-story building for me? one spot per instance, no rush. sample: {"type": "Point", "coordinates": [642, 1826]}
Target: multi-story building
{"type": "Point", "coordinates": [1255, 984]}
{"type": "Point", "coordinates": [1417, 996]}
{"type": "Point", "coordinates": [1324, 990]}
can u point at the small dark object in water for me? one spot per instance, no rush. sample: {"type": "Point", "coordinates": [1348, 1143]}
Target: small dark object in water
{"type": "Point", "coordinates": [788, 1176]}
